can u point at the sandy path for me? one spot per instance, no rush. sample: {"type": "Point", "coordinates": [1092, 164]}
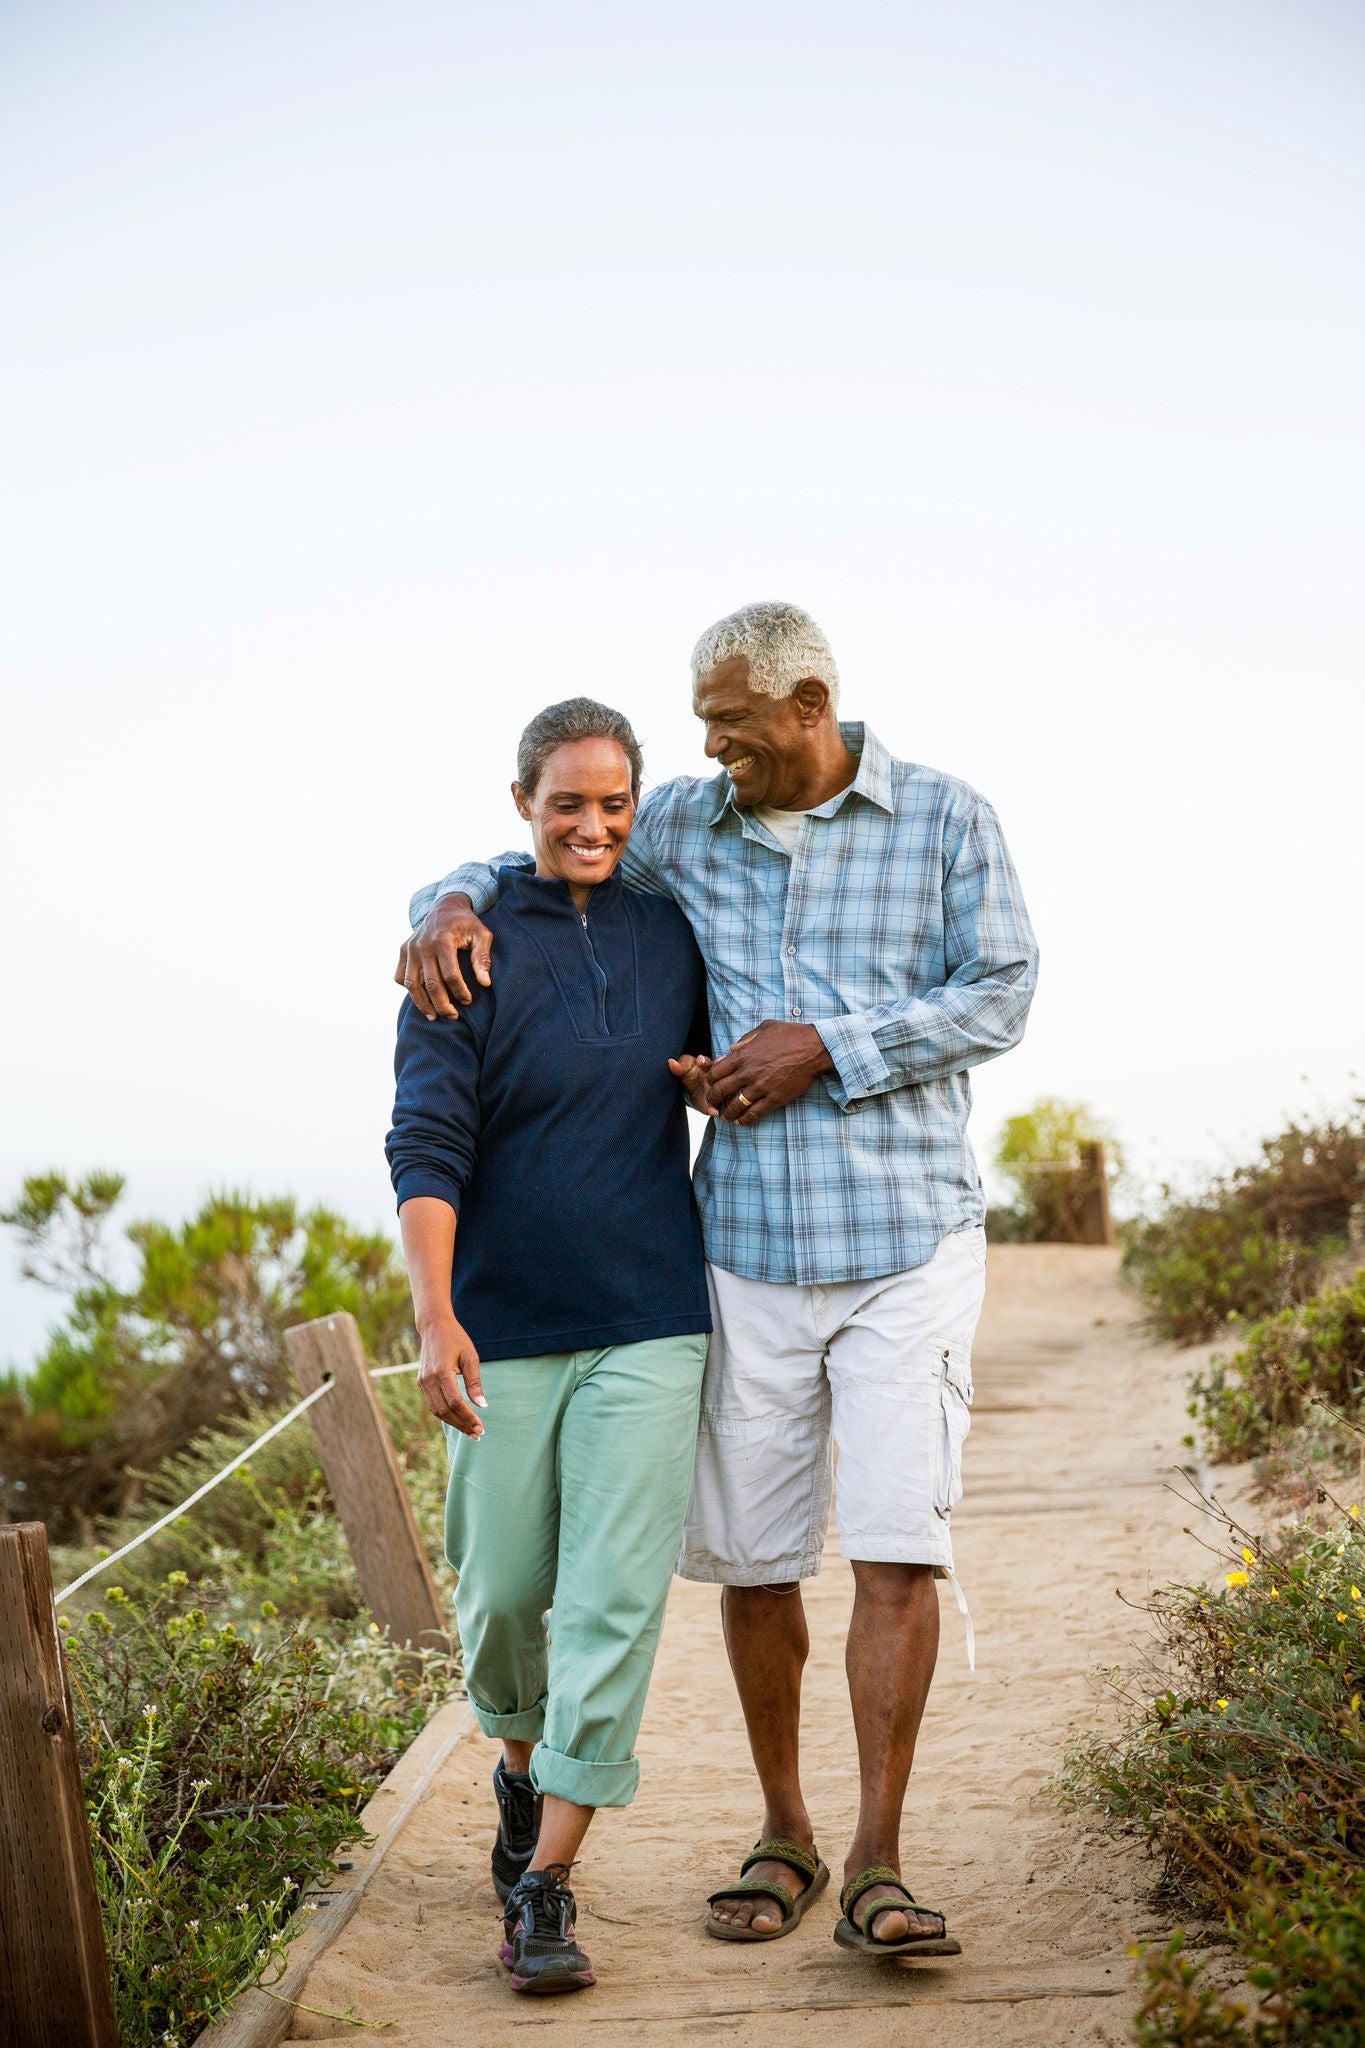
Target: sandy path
{"type": "Point", "coordinates": [1078, 1423]}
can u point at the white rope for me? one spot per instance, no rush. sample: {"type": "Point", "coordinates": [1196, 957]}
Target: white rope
{"type": "Point", "coordinates": [198, 1494]}
{"type": "Point", "coordinates": [381, 1372]}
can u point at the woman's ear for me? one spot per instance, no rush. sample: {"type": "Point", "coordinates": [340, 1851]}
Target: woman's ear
{"type": "Point", "coordinates": [522, 801]}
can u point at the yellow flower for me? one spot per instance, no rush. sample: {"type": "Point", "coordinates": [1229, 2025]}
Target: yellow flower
{"type": "Point", "coordinates": [1340, 1615]}
{"type": "Point", "coordinates": [1249, 1555]}
{"type": "Point", "coordinates": [1354, 1514]}
{"type": "Point", "coordinates": [1239, 1578]}
{"type": "Point", "coordinates": [1355, 1702]}
{"type": "Point", "coordinates": [1355, 1592]}
{"type": "Point", "coordinates": [1222, 1706]}
{"type": "Point", "coordinates": [1274, 1592]}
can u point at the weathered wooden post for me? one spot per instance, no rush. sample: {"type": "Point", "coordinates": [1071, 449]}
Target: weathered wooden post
{"type": "Point", "coordinates": [54, 1969]}
{"type": "Point", "coordinates": [367, 1485]}
{"type": "Point", "coordinates": [1097, 1226]}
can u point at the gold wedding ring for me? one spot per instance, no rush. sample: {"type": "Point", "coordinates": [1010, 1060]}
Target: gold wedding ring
{"type": "Point", "coordinates": [742, 1097]}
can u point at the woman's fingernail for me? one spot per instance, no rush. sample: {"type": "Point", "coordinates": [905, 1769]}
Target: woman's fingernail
{"type": "Point", "coordinates": [478, 1400]}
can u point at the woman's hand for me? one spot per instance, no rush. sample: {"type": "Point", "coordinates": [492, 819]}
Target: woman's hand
{"type": "Point", "coordinates": [693, 1070]}
{"type": "Point", "coordinates": [448, 1356]}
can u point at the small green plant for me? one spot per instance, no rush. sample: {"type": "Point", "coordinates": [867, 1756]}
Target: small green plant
{"type": "Point", "coordinates": [1257, 1239]}
{"type": "Point", "coordinates": [225, 1765]}
{"type": "Point", "coordinates": [1311, 1354]}
{"type": "Point", "coordinates": [1242, 1768]}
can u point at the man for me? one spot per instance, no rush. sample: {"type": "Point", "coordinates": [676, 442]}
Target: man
{"type": "Point", "coordinates": [866, 943]}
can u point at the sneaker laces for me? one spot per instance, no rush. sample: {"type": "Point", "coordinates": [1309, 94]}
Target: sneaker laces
{"type": "Point", "coordinates": [551, 1904]}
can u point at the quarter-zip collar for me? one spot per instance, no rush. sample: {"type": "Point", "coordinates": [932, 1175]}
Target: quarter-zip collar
{"type": "Point", "coordinates": [550, 893]}
{"type": "Point", "coordinates": [591, 956]}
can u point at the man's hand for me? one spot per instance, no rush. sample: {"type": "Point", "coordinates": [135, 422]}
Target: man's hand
{"type": "Point", "coordinates": [694, 1071]}
{"type": "Point", "coordinates": [448, 1356]}
{"type": "Point", "coordinates": [771, 1065]}
{"type": "Point", "coordinates": [429, 962]}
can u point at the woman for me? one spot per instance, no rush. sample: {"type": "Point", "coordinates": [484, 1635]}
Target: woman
{"type": "Point", "coordinates": [539, 1156]}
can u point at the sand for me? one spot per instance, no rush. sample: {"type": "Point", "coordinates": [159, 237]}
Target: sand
{"type": "Point", "coordinates": [1075, 1440]}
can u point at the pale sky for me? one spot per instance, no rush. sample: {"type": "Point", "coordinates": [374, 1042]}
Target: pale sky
{"type": "Point", "coordinates": [373, 376]}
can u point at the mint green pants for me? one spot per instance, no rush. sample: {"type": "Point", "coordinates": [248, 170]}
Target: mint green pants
{"type": "Point", "coordinates": [572, 1501]}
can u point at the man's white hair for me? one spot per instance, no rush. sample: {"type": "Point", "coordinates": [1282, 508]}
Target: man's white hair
{"type": "Point", "coordinates": [781, 643]}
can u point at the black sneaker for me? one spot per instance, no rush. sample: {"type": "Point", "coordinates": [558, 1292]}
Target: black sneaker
{"type": "Point", "coordinates": [519, 1806]}
{"type": "Point", "coordinates": [538, 1925]}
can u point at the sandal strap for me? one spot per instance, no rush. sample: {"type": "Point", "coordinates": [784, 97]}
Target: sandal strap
{"type": "Point", "coordinates": [764, 1890]}
{"type": "Point", "coordinates": [778, 1849]}
{"type": "Point", "coordinates": [879, 1877]}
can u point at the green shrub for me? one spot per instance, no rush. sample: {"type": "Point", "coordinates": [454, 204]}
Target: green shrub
{"type": "Point", "coordinates": [140, 1369]}
{"type": "Point", "coordinates": [1248, 1403]}
{"type": "Point", "coordinates": [224, 1767]}
{"type": "Point", "coordinates": [1245, 1774]}
{"type": "Point", "coordinates": [1257, 1239]}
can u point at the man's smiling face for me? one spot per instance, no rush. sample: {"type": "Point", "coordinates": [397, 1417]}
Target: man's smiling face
{"type": "Point", "coordinates": [769, 746]}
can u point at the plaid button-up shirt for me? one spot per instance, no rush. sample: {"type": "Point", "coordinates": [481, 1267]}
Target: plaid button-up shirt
{"type": "Point", "coordinates": [898, 930]}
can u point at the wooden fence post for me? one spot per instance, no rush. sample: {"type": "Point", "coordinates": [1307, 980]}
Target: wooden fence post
{"type": "Point", "coordinates": [1097, 1225]}
{"type": "Point", "coordinates": [367, 1485]}
{"type": "Point", "coordinates": [54, 1969]}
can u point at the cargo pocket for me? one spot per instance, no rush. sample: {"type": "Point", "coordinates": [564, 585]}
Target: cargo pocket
{"type": "Point", "coordinates": [955, 1419]}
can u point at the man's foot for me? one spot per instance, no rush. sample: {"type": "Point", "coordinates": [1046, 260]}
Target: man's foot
{"type": "Point", "coordinates": [900, 1919]}
{"type": "Point", "coordinates": [540, 1947]}
{"type": "Point", "coordinates": [765, 1912]}
{"type": "Point", "coordinates": [519, 1806]}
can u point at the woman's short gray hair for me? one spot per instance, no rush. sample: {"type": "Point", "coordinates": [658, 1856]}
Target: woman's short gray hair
{"type": "Point", "coordinates": [577, 718]}
{"type": "Point", "coordinates": [781, 643]}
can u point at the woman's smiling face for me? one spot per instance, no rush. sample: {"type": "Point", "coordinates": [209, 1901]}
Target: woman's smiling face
{"type": "Point", "coordinates": [580, 813]}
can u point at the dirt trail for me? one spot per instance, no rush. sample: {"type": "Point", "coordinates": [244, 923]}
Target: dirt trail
{"type": "Point", "coordinates": [1077, 1427]}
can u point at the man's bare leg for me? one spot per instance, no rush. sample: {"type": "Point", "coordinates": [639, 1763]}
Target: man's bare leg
{"type": "Point", "coordinates": [768, 1642]}
{"type": "Point", "coordinates": [890, 1658]}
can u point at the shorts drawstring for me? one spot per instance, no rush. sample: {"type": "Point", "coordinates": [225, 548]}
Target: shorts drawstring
{"type": "Point", "coordinates": [964, 1610]}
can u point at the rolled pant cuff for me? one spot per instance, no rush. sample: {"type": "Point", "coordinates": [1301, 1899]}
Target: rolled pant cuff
{"type": "Point", "coordinates": [528, 1725]}
{"type": "Point", "coordinates": [583, 1784]}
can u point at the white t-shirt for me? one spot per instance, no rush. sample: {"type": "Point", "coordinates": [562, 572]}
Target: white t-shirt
{"type": "Point", "coordinates": [784, 825]}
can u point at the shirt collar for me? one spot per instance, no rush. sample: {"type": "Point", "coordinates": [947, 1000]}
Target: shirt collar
{"type": "Point", "coordinates": [872, 781]}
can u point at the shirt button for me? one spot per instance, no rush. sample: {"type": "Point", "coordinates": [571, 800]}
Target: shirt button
{"type": "Point", "coordinates": [796, 1010]}
{"type": "Point", "coordinates": [791, 949]}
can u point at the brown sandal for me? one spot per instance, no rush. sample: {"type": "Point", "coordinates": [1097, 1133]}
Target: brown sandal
{"type": "Point", "coordinates": [774, 1849]}
{"type": "Point", "coordinates": [879, 1890]}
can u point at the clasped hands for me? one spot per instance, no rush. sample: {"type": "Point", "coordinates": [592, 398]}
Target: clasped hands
{"type": "Point", "coordinates": [765, 1069]}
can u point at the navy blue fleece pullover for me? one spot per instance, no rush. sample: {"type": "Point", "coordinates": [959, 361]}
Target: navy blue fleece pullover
{"type": "Point", "coordinates": [546, 1116]}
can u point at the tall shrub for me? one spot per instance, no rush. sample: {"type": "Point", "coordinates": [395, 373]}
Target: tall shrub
{"type": "Point", "coordinates": [142, 1363]}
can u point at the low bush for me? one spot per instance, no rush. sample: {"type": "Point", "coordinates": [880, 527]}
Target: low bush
{"type": "Point", "coordinates": [1242, 1767]}
{"type": "Point", "coordinates": [1306, 1356]}
{"type": "Point", "coordinates": [224, 1767]}
{"type": "Point", "coordinates": [1257, 1239]}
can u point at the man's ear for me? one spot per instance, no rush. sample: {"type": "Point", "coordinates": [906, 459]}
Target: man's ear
{"type": "Point", "coordinates": [812, 699]}
{"type": "Point", "coordinates": [522, 801]}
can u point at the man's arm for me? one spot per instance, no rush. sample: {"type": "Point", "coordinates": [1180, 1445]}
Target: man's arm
{"type": "Point", "coordinates": [446, 921]}
{"type": "Point", "coordinates": [981, 1009]}
{"type": "Point", "coordinates": [979, 1012]}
